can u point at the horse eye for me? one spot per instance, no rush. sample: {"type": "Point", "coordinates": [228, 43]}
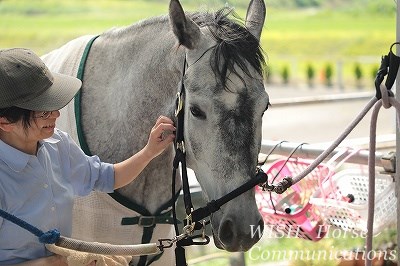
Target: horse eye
{"type": "Point", "coordinates": [196, 112]}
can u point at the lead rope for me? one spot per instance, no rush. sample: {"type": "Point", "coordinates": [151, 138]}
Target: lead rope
{"type": "Point", "coordinates": [49, 237]}
{"type": "Point", "coordinates": [54, 237]}
{"type": "Point", "coordinates": [387, 101]}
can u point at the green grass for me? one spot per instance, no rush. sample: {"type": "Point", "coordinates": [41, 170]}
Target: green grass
{"type": "Point", "coordinates": [291, 37]}
{"type": "Point", "coordinates": [45, 25]}
{"type": "Point", "coordinates": [319, 37]}
{"type": "Point", "coordinates": [304, 33]}
{"type": "Point", "coordinates": [324, 33]}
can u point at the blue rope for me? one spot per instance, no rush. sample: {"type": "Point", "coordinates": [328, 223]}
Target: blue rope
{"type": "Point", "coordinates": [49, 237]}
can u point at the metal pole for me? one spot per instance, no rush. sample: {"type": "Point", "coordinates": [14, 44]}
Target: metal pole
{"type": "Point", "coordinates": [397, 174]}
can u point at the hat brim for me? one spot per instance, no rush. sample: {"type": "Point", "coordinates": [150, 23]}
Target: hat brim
{"type": "Point", "coordinates": [58, 95]}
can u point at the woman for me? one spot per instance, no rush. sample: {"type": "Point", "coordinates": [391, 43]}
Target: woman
{"type": "Point", "coordinates": [41, 167]}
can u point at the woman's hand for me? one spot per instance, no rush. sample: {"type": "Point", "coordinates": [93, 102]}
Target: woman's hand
{"type": "Point", "coordinates": [161, 135]}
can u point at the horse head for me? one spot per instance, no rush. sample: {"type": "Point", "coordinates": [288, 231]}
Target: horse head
{"type": "Point", "coordinates": [224, 102]}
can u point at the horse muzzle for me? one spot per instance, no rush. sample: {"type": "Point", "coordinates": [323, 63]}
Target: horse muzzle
{"type": "Point", "coordinates": [234, 230]}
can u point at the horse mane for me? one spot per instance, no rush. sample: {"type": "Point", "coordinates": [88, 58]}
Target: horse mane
{"type": "Point", "coordinates": [235, 44]}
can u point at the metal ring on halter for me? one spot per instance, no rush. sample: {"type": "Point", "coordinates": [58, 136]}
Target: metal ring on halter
{"type": "Point", "coordinates": [179, 103]}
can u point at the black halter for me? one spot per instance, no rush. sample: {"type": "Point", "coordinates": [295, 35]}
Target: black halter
{"type": "Point", "coordinates": [194, 217]}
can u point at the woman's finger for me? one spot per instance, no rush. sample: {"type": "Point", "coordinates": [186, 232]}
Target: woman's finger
{"type": "Point", "coordinates": [163, 119]}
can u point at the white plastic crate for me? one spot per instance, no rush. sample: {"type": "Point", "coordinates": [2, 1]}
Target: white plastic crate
{"type": "Point", "coordinates": [343, 200]}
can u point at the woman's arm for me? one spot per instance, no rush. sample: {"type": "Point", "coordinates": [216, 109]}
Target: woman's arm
{"type": "Point", "coordinates": [126, 171]}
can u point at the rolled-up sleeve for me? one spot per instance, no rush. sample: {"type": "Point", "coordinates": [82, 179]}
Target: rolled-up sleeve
{"type": "Point", "coordinates": [100, 175]}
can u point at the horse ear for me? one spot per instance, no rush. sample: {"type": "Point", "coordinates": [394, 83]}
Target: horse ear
{"type": "Point", "coordinates": [187, 32]}
{"type": "Point", "coordinates": [255, 17]}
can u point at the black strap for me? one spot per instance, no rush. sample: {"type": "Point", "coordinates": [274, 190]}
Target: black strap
{"type": "Point", "coordinates": [148, 221]}
{"type": "Point", "coordinates": [394, 62]}
{"type": "Point", "coordinates": [186, 189]}
{"type": "Point", "coordinates": [146, 238]}
{"type": "Point", "coordinates": [389, 66]}
{"type": "Point", "coordinates": [215, 205]}
{"type": "Point", "coordinates": [180, 257]}
{"type": "Point", "coordinates": [180, 156]}
{"type": "Point", "coordinates": [148, 228]}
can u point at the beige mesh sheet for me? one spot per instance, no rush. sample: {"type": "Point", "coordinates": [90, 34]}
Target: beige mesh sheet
{"type": "Point", "coordinates": [97, 218]}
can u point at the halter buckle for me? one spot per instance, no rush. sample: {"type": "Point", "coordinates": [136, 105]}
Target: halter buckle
{"type": "Point", "coordinates": [147, 221]}
{"type": "Point", "coordinates": [181, 146]}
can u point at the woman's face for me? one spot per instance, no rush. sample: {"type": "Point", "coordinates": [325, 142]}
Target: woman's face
{"type": "Point", "coordinates": [25, 139]}
{"type": "Point", "coordinates": [42, 126]}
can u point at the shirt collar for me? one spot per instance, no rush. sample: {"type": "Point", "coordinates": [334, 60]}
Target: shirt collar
{"type": "Point", "coordinates": [16, 159]}
{"type": "Point", "coordinates": [50, 140]}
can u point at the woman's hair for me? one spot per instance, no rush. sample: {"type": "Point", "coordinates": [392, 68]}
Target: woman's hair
{"type": "Point", "coordinates": [14, 114]}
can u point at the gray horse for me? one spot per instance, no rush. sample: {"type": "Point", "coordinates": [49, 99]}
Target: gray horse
{"type": "Point", "coordinates": [131, 76]}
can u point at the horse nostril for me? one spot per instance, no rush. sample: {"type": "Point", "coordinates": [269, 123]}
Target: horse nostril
{"type": "Point", "coordinates": [227, 233]}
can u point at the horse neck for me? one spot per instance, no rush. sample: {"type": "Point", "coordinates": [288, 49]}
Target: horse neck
{"type": "Point", "coordinates": [135, 70]}
{"type": "Point", "coordinates": [151, 46]}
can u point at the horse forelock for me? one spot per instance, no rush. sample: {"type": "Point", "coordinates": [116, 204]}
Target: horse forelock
{"type": "Point", "coordinates": [235, 44]}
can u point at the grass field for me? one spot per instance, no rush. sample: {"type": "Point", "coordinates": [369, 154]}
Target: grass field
{"type": "Point", "coordinates": [291, 38]}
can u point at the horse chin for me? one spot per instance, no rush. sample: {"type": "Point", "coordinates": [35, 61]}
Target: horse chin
{"type": "Point", "coordinates": [220, 245]}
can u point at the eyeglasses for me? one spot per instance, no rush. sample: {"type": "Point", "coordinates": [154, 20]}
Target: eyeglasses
{"type": "Point", "coordinates": [43, 115]}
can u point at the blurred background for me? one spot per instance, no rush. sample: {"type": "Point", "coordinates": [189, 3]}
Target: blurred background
{"type": "Point", "coordinates": [323, 56]}
{"type": "Point", "coordinates": [330, 42]}
{"type": "Point", "coordinates": [313, 47]}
